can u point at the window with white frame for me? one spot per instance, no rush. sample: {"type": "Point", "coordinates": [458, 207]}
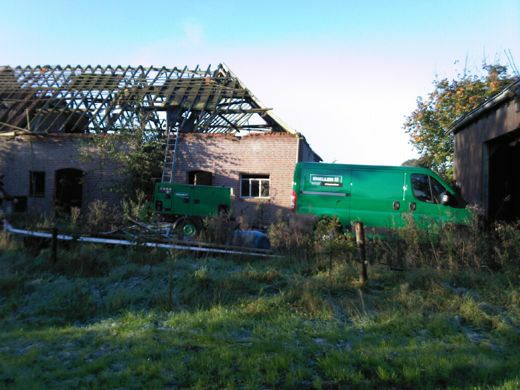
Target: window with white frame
{"type": "Point", "coordinates": [254, 186]}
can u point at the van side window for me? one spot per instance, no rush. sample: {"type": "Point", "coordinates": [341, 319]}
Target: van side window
{"type": "Point", "coordinates": [437, 190]}
{"type": "Point", "coordinates": [421, 187]}
{"type": "Point", "coordinates": [426, 188]}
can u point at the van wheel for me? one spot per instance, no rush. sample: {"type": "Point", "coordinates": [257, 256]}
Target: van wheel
{"type": "Point", "coordinates": [187, 228]}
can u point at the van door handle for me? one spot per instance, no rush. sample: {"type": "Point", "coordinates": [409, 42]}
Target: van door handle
{"type": "Point", "coordinates": [396, 205]}
{"type": "Point", "coordinates": [413, 206]}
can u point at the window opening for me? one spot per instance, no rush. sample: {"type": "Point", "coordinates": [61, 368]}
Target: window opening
{"type": "Point", "coordinates": [37, 184]}
{"type": "Point", "coordinates": [69, 189]}
{"type": "Point", "coordinates": [254, 186]}
{"type": "Point", "coordinates": [200, 178]}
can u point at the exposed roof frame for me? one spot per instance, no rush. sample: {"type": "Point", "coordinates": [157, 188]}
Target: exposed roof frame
{"type": "Point", "coordinates": [97, 99]}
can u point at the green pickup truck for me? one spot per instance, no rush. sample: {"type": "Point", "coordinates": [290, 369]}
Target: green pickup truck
{"type": "Point", "coordinates": [378, 196]}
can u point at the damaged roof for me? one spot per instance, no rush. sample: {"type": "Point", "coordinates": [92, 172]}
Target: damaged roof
{"type": "Point", "coordinates": [103, 100]}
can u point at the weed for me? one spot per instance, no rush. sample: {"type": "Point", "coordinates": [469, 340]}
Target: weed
{"type": "Point", "coordinates": [218, 229]}
{"type": "Point", "coordinates": [507, 247]}
{"type": "Point", "coordinates": [101, 217]}
{"type": "Point", "coordinates": [84, 260]}
{"type": "Point", "coordinates": [7, 244]}
{"type": "Point", "coordinates": [292, 235]}
{"type": "Point", "coordinates": [449, 247]}
{"type": "Point", "coordinates": [137, 207]}
{"type": "Point", "coordinates": [10, 284]}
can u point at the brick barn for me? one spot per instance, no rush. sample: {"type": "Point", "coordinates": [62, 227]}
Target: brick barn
{"type": "Point", "coordinates": [215, 132]}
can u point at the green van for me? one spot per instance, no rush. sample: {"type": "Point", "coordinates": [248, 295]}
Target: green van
{"type": "Point", "coordinates": [378, 196]}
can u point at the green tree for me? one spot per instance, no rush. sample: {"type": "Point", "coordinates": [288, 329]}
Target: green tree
{"type": "Point", "coordinates": [412, 162]}
{"type": "Point", "coordinates": [142, 161]}
{"type": "Point", "coordinates": [429, 124]}
{"type": "Point", "coordinates": [139, 156]}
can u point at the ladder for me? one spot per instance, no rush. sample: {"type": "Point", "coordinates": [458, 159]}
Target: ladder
{"type": "Point", "coordinates": [168, 173]}
{"type": "Point", "coordinates": [187, 100]}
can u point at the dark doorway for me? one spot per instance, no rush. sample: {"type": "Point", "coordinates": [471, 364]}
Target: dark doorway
{"type": "Point", "coordinates": [504, 179]}
{"type": "Point", "coordinates": [69, 189]}
{"type": "Point", "coordinates": [200, 178]}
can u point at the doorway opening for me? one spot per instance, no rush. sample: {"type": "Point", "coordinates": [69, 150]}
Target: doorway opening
{"type": "Point", "coordinates": [504, 180]}
{"type": "Point", "coordinates": [69, 189]}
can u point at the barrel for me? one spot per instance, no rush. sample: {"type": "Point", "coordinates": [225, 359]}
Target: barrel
{"type": "Point", "coordinates": [251, 239]}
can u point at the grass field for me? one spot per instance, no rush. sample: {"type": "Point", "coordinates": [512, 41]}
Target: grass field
{"type": "Point", "coordinates": [113, 318]}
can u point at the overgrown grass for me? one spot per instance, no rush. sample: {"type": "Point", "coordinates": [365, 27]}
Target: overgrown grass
{"type": "Point", "coordinates": [131, 318]}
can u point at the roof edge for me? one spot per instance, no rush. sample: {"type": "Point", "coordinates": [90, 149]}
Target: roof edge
{"type": "Point", "coordinates": [506, 94]}
{"type": "Point", "coordinates": [268, 113]}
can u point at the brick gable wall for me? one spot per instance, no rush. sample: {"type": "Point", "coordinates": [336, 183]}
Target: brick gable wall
{"type": "Point", "coordinates": [227, 157]}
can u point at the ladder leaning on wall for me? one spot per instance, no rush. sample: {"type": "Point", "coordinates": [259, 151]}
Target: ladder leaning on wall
{"type": "Point", "coordinates": [188, 96]}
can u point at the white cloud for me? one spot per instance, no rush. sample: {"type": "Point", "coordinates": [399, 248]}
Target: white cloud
{"type": "Point", "coordinates": [193, 34]}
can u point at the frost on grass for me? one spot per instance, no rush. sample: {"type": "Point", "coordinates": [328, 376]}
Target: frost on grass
{"type": "Point", "coordinates": [152, 321]}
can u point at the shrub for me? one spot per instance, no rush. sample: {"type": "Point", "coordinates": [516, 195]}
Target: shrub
{"type": "Point", "coordinates": [137, 207]}
{"type": "Point", "coordinates": [218, 229]}
{"type": "Point", "coordinates": [292, 235]}
{"type": "Point", "coordinates": [101, 217]}
{"type": "Point", "coordinates": [417, 245]}
{"type": "Point", "coordinates": [450, 247]}
{"type": "Point", "coordinates": [507, 246]}
{"type": "Point", "coordinates": [330, 239]}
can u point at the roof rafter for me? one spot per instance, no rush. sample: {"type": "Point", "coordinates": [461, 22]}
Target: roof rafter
{"type": "Point", "coordinates": [96, 99]}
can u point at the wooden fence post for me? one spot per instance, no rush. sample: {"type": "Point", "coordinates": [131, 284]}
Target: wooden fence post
{"type": "Point", "coordinates": [360, 241]}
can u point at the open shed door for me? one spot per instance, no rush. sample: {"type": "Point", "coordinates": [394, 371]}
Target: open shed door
{"type": "Point", "coordinates": [504, 179]}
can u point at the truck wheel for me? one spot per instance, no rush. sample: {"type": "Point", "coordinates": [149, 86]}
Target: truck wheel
{"type": "Point", "coordinates": [187, 228]}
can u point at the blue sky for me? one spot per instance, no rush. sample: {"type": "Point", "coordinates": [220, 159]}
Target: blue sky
{"type": "Point", "coordinates": [343, 73]}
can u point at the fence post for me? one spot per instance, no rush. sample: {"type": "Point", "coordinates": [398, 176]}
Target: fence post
{"type": "Point", "coordinates": [360, 241]}
{"type": "Point", "coordinates": [54, 245]}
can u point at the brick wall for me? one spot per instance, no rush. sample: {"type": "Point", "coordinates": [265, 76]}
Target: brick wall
{"type": "Point", "coordinates": [227, 157]}
{"type": "Point", "coordinates": [22, 154]}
